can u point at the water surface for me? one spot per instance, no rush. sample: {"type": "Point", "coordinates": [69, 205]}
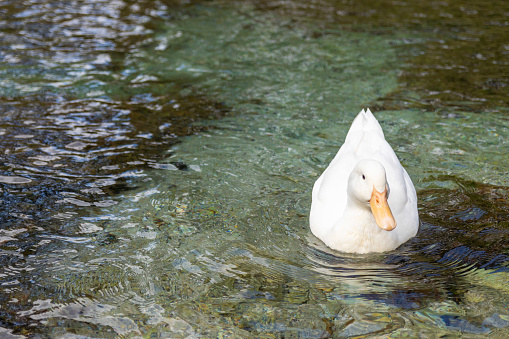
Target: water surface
{"type": "Point", "coordinates": [157, 179]}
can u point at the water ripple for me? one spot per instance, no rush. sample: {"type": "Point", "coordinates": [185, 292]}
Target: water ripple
{"type": "Point", "coordinates": [119, 218]}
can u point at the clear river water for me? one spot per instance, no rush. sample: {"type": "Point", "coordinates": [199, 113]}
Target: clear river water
{"type": "Point", "coordinates": [158, 156]}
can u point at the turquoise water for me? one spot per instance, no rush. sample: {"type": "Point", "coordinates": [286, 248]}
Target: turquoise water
{"type": "Point", "coordinates": [182, 175]}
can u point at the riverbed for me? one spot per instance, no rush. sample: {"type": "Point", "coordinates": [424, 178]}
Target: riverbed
{"type": "Point", "coordinates": [158, 160]}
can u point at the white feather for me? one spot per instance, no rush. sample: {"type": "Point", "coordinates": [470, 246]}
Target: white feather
{"type": "Point", "coordinates": [353, 229]}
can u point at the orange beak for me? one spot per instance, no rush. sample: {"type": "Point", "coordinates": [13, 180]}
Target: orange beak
{"type": "Point", "coordinates": [381, 211]}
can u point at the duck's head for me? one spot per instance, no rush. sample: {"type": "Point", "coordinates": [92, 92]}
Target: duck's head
{"type": "Point", "coordinates": [368, 187]}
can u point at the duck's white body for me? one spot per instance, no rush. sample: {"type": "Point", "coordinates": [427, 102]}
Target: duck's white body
{"type": "Point", "coordinates": [344, 220]}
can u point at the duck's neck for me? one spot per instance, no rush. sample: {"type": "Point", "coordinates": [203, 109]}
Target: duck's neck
{"type": "Point", "coordinates": [357, 230]}
{"type": "Point", "coordinates": [360, 218]}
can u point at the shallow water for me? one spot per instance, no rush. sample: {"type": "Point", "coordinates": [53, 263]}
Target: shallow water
{"type": "Point", "coordinates": [129, 209]}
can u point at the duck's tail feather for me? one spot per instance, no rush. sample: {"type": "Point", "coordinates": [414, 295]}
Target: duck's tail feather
{"type": "Point", "coordinates": [365, 122]}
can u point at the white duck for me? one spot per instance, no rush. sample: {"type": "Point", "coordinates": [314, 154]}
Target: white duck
{"type": "Point", "coordinates": [364, 201]}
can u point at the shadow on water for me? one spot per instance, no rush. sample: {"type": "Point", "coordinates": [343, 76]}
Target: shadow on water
{"type": "Point", "coordinates": [476, 214]}
{"type": "Point", "coordinates": [464, 60]}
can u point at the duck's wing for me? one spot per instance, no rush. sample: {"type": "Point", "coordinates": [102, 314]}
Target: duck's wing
{"type": "Point", "coordinates": [364, 139]}
{"type": "Point", "coordinates": [406, 212]}
{"type": "Point", "coordinates": [330, 190]}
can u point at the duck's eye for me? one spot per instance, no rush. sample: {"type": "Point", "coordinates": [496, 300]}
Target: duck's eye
{"type": "Point", "coordinates": [363, 177]}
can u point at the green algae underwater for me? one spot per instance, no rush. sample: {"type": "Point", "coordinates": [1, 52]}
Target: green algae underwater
{"type": "Point", "coordinates": [158, 160]}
